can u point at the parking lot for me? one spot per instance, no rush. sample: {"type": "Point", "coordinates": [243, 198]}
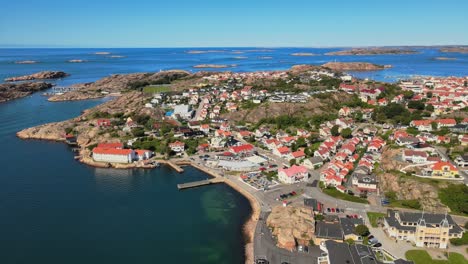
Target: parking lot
{"type": "Point", "coordinates": [258, 181]}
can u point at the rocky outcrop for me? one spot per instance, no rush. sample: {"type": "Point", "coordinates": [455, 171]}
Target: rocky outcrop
{"type": "Point", "coordinates": [372, 51]}
{"type": "Point", "coordinates": [76, 61]}
{"type": "Point", "coordinates": [118, 83]}
{"type": "Point", "coordinates": [445, 58]}
{"type": "Point", "coordinates": [10, 91]}
{"type": "Point", "coordinates": [291, 226]}
{"type": "Point", "coordinates": [354, 66]}
{"type": "Point", "coordinates": [38, 76]}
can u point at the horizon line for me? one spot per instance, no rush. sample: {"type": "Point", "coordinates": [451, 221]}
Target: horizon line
{"type": "Point", "coordinates": [206, 47]}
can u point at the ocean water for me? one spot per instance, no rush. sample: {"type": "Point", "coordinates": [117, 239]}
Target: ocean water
{"type": "Point", "coordinates": [55, 210]}
{"type": "Point", "coordinates": [240, 60]}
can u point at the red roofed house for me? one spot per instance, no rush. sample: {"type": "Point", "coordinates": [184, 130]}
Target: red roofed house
{"type": "Point", "coordinates": [298, 155]}
{"type": "Point", "coordinates": [415, 156]}
{"type": "Point", "coordinates": [282, 152]}
{"type": "Point", "coordinates": [293, 174]}
{"type": "Point", "coordinates": [203, 147]}
{"type": "Point", "coordinates": [422, 125]}
{"type": "Point", "coordinates": [344, 111]}
{"type": "Point", "coordinates": [103, 122]}
{"type": "Point", "coordinates": [177, 146]}
{"type": "Point", "coordinates": [142, 154]}
{"type": "Point", "coordinates": [444, 169]}
{"type": "Point", "coordinates": [113, 155]}
{"type": "Point", "coordinates": [242, 149]}
{"type": "Point", "coordinates": [448, 122]}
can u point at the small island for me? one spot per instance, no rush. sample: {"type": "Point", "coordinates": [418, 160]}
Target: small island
{"type": "Point", "coordinates": [43, 75]}
{"type": "Point", "coordinates": [102, 53]}
{"type": "Point", "coordinates": [354, 66]}
{"type": "Point", "coordinates": [303, 54]}
{"type": "Point", "coordinates": [372, 51]}
{"type": "Point", "coordinates": [214, 66]}
{"type": "Point", "coordinates": [26, 62]}
{"type": "Point", "coordinates": [116, 56]}
{"type": "Point", "coordinates": [76, 61]}
{"type": "Point", "coordinates": [445, 58]}
{"type": "Point", "coordinates": [10, 91]}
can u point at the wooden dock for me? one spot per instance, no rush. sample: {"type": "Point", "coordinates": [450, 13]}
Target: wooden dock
{"type": "Point", "coordinates": [188, 185]}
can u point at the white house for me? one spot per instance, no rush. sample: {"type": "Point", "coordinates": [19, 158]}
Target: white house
{"type": "Point", "coordinates": [293, 174]}
{"type": "Point", "coordinates": [142, 154]}
{"type": "Point", "coordinates": [415, 156]}
{"type": "Point", "coordinates": [177, 146]}
{"type": "Point", "coordinates": [113, 155]}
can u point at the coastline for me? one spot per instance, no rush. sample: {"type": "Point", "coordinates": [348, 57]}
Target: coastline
{"type": "Point", "coordinates": [249, 226]}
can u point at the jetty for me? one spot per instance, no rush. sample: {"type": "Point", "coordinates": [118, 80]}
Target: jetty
{"type": "Point", "coordinates": [194, 184]}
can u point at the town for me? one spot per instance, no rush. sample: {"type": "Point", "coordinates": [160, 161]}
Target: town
{"type": "Point", "coordinates": [344, 170]}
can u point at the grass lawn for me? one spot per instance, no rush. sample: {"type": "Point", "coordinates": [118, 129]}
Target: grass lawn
{"type": "Point", "coordinates": [422, 257]}
{"type": "Point", "coordinates": [373, 217]}
{"type": "Point", "coordinates": [156, 89]}
{"type": "Point", "coordinates": [344, 196]}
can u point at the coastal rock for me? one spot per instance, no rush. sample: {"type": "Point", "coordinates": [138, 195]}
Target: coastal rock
{"type": "Point", "coordinates": [372, 51]}
{"type": "Point", "coordinates": [354, 66]}
{"type": "Point", "coordinates": [10, 91]}
{"type": "Point", "coordinates": [445, 58]}
{"type": "Point", "coordinates": [38, 76]}
{"type": "Point", "coordinates": [291, 225]}
{"type": "Point", "coordinates": [102, 53]}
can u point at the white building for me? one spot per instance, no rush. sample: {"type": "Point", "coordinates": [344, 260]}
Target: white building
{"type": "Point", "coordinates": [113, 155]}
{"type": "Point", "coordinates": [293, 174]}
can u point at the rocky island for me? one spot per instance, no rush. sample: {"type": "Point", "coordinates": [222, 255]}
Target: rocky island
{"type": "Point", "coordinates": [372, 51]}
{"type": "Point", "coordinates": [10, 91]}
{"type": "Point", "coordinates": [445, 58]}
{"type": "Point", "coordinates": [43, 75]}
{"type": "Point", "coordinates": [303, 54]}
{"type": "Point", "coordinates": [76, 61]}
{"type": "Point", "coordinates": [26, 62]}
{"type": "Point", "coordinates": [354, 66]}
{"type": "Point", "coordinates": [462, 49]}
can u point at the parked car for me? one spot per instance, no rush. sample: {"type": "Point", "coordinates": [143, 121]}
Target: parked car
{"type": "Point", "coordinates": [370, 237]}
{"type": "Point", "coordinates": [377, 245]}
{"type": "Point", "coordinates": [328, 210]}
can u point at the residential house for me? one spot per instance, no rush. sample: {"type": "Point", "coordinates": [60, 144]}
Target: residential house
{"type": "Point", "coordinates": [243, 150]}
{"type": "Point", "coordinates": [414, 156]}
{"type": "Point", "coordinates": [327, 231]}
{"type": "Point", "coordinates": [177, 146]}
{"type": "Point", "coordinates": [293, 174]}
{"type": "Point", "coordinates": [444, 169]}
{"type": "Point", "coordinates": [365, 182]}
{"type": "Point", "coordinates": [462, 161]}
{"type": "Point", "coordinates": [142, 154]}
{"type": "Point", "coordinates": [348, 225]}
{"type": "Point", "coordinates": [313, 162]}
{"type": "Point", "coordinates": [103, 122]}
{"type": "Point", "coordinates": [282, 152]}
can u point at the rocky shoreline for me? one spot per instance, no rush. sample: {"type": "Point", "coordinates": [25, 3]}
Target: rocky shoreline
{"type": "Point", "coordinates": [43, 75]}
{"type": "Point", "coordinates": [214, 66]}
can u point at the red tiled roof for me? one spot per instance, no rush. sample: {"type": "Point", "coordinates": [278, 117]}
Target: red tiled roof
{"type": "Point", "coordinates": [114, 145]}
{"type": "Point", "coordinates": [112, 151]}
{"type": "Point", "coordinates": [441, 164]}
{"type": "Point", "coordinates": [242, 148]}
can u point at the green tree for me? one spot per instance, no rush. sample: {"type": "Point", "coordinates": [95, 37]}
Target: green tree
{"type": "Point", "coordinates": [416, 105]}
{"type": "Point", "coordinates": [138, 132]}
{"type": "Point", "coordinates": [334, 131]}
{"type": "Point", "coordinates": [346, 133]}
{"type": "Point", "coordinates": [350, 241]}
{"type": "Point", "coordinates": [434, 125]}
{"type": "Point", "coordinates": [429, 94]}
{"type": "Point", "coordinates": [455, 196]}
{"type": "Point", "coordinates": [292, 162]}
{"type": "Point", "coordinates": [430, 108]}
{"type": "Point", "coordinates": [361, 230]}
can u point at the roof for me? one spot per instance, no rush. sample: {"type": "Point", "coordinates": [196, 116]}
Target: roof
{"type": "Point", "coordinates": [140, 152]}
{"type": "Point", "coordinates": [347, 225]}
{"type": "Point", "coordinates": [112, 151]}
{"type": "Point", "coordinates": [328, 230]}
{"type": "Point", "coordinates": [298, 154]}
{"type": "Point", "coordinates": [176, 144]}
{"type": "Point", "coordinates": [293, 170]}
{"type": "Point", "coordinates": [110, 145]}
{"type": "Point", "coordinates": [409, 152]}
{"type": "Point", "coordinates": [283, 150]}
{"type": "Point", "coordinates": [441, 164]}
{"type": "Point", "coordinates": [242, 148]}
{"type": "Point", "coordinates": [353, 254]}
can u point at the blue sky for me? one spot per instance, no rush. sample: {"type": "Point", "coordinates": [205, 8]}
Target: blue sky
{"type": "Point", "coordinates": [221, 23]}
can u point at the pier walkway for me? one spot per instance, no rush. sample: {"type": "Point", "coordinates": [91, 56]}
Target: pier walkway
{"type": "Point", "coordinates": [199, 183]}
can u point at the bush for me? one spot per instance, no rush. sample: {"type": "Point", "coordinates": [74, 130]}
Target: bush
{"type": "Point", "coordinates": [361, 230]}
{"type": "Point", "coordinates": [460, 241]}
